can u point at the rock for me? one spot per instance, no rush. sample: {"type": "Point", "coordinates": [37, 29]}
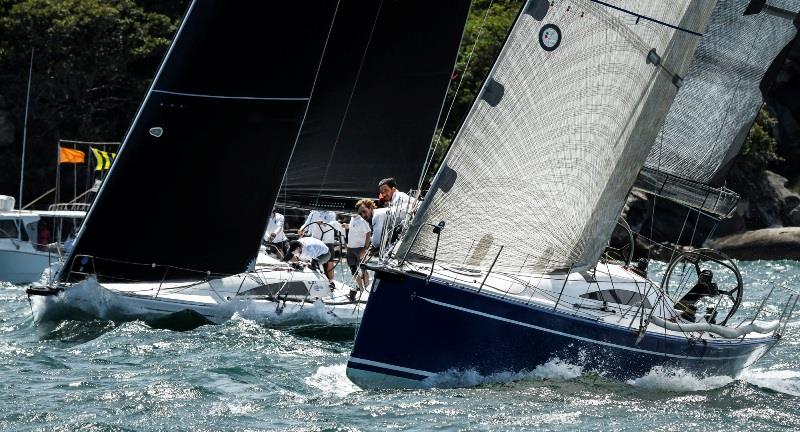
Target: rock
{"type": "Point", "coordinates": [767, 244]}
{"type": "Point", "coordinates": [766, 200]}
{"type": "Point", "coordinates": [793, 217]}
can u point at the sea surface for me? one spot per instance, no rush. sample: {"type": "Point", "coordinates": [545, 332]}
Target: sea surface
{"type": "Point", "coordinates": [247, 375]}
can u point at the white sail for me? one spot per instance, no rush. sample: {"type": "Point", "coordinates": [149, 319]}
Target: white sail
{"type": "Point", "coordinates": [546, 156]}
{"type": "Point", "coordinates": [721, 95]}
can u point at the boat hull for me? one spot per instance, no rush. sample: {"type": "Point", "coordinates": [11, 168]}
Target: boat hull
{"type": "Point", "coordinates": [21, 267]}
{"type": "Point", "coordinates": [413, 331]}
{"type": "Point", "coordinates": [215, 300]}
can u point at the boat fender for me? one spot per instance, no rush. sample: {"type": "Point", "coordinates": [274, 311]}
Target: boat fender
{"type": "Point", "coordinates": [724, 331]}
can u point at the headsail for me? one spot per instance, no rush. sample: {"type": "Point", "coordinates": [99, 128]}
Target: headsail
{"type": "Point", "coordinates": [375, 108]}
{"type": "Point", "coordinates": [564, 123]}
{"type": "Point", "coordinates": [721, 94]}
{"type": "Point", "coordinates": [242, 83]}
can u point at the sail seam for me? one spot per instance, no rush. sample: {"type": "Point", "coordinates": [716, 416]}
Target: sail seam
{"type": "Point", "coordinates": [230, 97]}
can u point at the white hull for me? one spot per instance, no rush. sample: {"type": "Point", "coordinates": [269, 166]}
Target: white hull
{"type": "Point", "coordinates": [272, 294]}
{"type": "Point", "coordinates": [24, 265]}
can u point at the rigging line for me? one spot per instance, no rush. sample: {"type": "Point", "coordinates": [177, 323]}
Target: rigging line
{"type": "Point", "coordinates": [308, 103]}
{"type": "Point", "coordinates": [349, 101]}
{"type": "Point", "coordinates": [231, 97]}
{"type": "Point", "coordinates": [646, 18]}
{"type": "Point", "coordinates": [438, 140]}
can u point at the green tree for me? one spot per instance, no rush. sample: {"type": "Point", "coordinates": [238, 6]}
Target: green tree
{"type": "Point", "coordinates": [93, 61]}
{"type": "Point", "coordinates": [760, 148]}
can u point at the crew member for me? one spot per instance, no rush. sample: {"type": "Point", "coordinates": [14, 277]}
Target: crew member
{"type": "Point", "coordinates": [274, 234]}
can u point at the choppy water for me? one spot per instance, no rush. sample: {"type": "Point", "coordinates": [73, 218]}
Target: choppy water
{"type": "Point", "coordinates": [101, 375]}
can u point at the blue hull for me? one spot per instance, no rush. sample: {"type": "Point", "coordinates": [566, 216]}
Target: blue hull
{"type": "Point", "coordinates": [411, 331]}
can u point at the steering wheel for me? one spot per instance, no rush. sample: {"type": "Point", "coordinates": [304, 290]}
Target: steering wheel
{"type": "Point", "coordinates": [693, 259]}
{"type": "Point", "coordinates": [623, 253]}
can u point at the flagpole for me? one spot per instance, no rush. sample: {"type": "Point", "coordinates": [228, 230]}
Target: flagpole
{"type": "Point", "coordinates": [25, 130]}
{"type": "Point", "coordinates": [58, 173]}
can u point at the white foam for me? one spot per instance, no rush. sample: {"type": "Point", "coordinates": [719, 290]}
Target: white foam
{"type": "Point", "coordinates": [555, 369]}
{"type": "Point", "coordinates": [782, 381]}
{"type": "Point", "coordinates": [678, 380]}
{"type": "Point", "coordinates": [90, 298]}
{"type": "Point", "coordinates": [332, 380]}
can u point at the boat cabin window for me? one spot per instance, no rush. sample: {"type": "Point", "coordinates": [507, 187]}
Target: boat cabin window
{"type": "Point", "coordinates": [25, 230]}
{"type": "Point", "coordinates": [8, 229]}
{"type": "Point", "coordinates": [618, 296]}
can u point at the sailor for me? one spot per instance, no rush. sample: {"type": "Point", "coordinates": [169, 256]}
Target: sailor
{"type": "Point", "coordinates": [358, 238]}
{"type": "Point", "coordinates": [274, 234]}
{"type": "Point", "coordinates": [43, 237]}
{"type": "Point", "coordinates": [322, 225]}
{"type": "Point", "coordinates": [705, 287]}
{"type": "Point", "coordinates": [387, 188]}
{"type": "Point", "coordinates": [310, 250]}
{"type": "Point", "coordinates": [376, 217]}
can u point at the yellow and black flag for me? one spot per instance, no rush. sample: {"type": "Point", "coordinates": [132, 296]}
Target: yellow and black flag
{"type": "Point", "coordinates": [103, 159]}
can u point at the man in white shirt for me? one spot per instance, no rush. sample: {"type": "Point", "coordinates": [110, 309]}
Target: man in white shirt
{"type": "Point", "coordinates": [274, 232]}
{"type": "Point", "coordinates": [376, 217]}
{"type": "Point", "coordinates": [322, 225]}
{"type": "Point", "coordinates": [396, 199]}
{"type": "Point", "coordinates": [358, 240]}
{"type": "Point", "coordinates": [308, 249]}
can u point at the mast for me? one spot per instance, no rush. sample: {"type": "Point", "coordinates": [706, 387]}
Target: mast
{"type": "Point", "coordinates": [25, 130]}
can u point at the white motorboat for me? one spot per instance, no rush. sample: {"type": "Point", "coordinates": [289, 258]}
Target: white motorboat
{"type": "Point", "coordinates": [22, 258]}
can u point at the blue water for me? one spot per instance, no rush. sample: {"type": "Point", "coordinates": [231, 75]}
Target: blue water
{"type": "Point", "coordinates": [106, 376]}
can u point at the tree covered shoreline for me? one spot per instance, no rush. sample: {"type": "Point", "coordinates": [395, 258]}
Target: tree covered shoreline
{"type": "Point", "coordinates": [95, 58]}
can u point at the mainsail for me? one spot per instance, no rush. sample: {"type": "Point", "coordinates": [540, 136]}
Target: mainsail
{"type": "Point", "coordinates": [719, 99]}
{"type": "Point", "coordinates": [548, 153]}
{"type": "Point", "coordinates": [376, 104]}
{"type": "Point", "coordinates": [201, 166]}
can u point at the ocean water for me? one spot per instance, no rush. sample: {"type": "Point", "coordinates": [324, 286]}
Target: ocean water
{"type": "Point", "coordinates": [246, 376]}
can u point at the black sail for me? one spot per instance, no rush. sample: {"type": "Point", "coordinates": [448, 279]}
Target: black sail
{"type": "Point", "coordinates": [242, 83]}
{"type": "Point", "coordinates": [376, 104]}
{"type": "Point", "coordinates": [201, 165]}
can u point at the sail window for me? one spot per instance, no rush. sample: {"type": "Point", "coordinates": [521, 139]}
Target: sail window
{"type": "Point", "coordinates": [8, 229]}
{"type": "Point", "coordinates": [619, 296]}
{"type": "Point", "coordinates": [550, 37]}
{"type": "Point", "coordinates": [156, 132]}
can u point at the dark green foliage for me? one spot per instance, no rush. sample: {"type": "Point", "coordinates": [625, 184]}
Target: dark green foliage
{"type": "Point", "coordinates": [760, 147]}
{"type": "Point", "coordinates": [93, 62]}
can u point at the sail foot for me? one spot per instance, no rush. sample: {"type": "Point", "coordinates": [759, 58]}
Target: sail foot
{"type": "Point", "coordinates": [718, 201]}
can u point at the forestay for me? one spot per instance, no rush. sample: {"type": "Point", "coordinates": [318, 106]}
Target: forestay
{"type": "Point", "coordinates": [719, 99]}
{"type": "Point", "coordinates": [381, 87]}
{"type": "Point", "coordinates": [548, 153]}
